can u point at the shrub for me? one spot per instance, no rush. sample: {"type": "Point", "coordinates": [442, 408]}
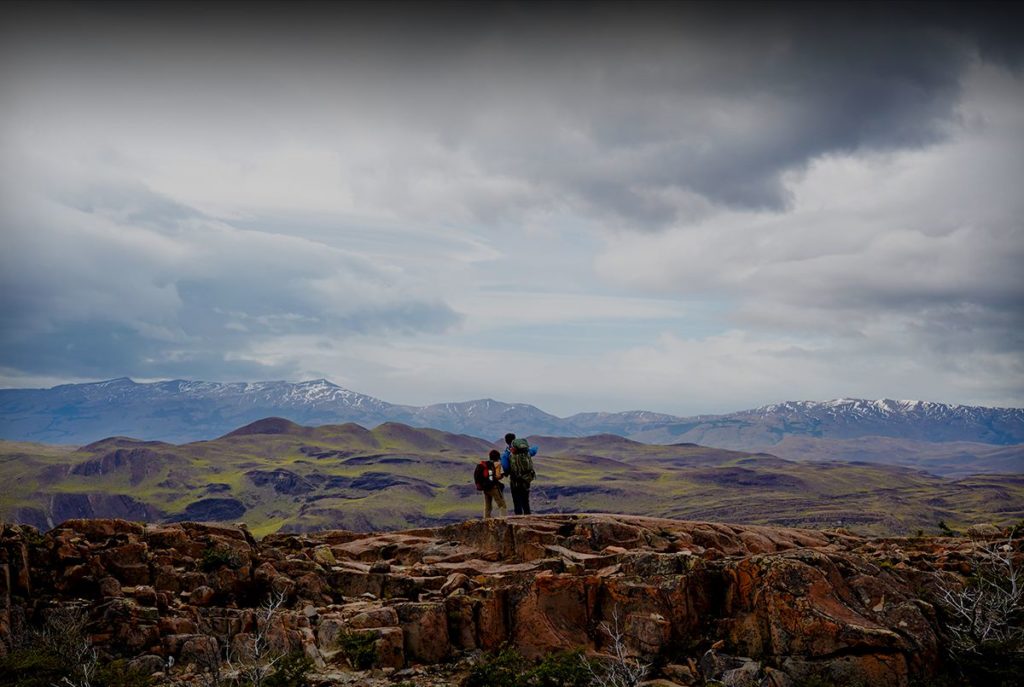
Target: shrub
{"type": "Point", "coordinates": [564, 669]}
{"type": "Point", "coordinates": [504, 669]}
{"type": "Point", "coordinates": [57, 652]}
{"type": "Point", "coordinates": [359, 648]}
{"type": "Point", "coordinates": [31, 666]}
{"type": "Point", "coordinates": [986, 616]}
{"type": "Point", "coordinates": [118, 674]}
{"type": "Point", "coordinates": [291, 671]}
{"type": "Point", "coordinates": [214, 558]}
{"type": "Point", "coordinates": [508, 668]}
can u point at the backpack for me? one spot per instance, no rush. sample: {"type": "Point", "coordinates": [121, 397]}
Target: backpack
{"type": "Point", "coordinates": [520, 464]}
{"type": "Point", "coordinates": [484, 475]}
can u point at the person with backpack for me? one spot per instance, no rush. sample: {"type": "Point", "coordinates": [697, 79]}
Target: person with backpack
{"type": "Point", "coordinates": [518, 464]}
{"type": "Point", "coordinates": [487, 477]}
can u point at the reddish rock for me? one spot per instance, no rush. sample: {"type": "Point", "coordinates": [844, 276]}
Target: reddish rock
{"type": "Point", "coordinates": [814, 605]}
{"type": "Point", "coordinates": [646, 634]}
{"type": "Point", "coordinates": [364, 615]}
{"type": "Point", "coordinates": [453, 582]}
{"type": "Point", "coordinates": [492, 628]}
{"type": "Point", "coordinates": [143, 594]}
{"type": "Point", "coordinates": [177, 626]}
{"type": "Point", "coordinates": [100, 529]}
{"type": "Point", "coordinates": [389, 647]}
{"type": "Point", "coordinates": [147, 665]}
{"type": "Point", "coordinates": [166, 578]}
{"type": "Point", "coordinates": [201, 650]}
{"type": "Point", "coordinates": [202, 596]}
{"type": "Point", "coordinates": [554, 612]}
{"type": "Point", "coordinates": [110, 588]}
{"type": "Point", "coordinates": [426, 631]}
{"type": "Point", "coordinates": [462, 626]}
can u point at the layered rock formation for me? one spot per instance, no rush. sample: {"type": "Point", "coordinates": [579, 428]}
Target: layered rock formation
{"type": "Point", "coordinates": [691, 597]}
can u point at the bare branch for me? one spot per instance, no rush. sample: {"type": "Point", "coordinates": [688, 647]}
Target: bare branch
{"type": "Point", "coordinates": [618, 668]}
{"type": "Point", "coordinates": [989, 608]}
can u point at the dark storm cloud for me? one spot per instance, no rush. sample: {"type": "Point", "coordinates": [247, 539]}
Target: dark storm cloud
{"type": "Point", "coordinates": [102, 349]}
{"type": "Point", "coordinates": [637, 114]}
{"type": "Point", "coordinates": [160, 162]}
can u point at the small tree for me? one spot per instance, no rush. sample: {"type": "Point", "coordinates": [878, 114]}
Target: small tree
{"type": "Point", "coordinates": [986, 616]}
{"type": "Point", "coordinates": [58, 652]}
{"type": "Point", "coordinates": [989, 608]}
{"type": "Point", "coordinates": [257, 661]}
{"type": "Point", "coordinates": [616, 668]}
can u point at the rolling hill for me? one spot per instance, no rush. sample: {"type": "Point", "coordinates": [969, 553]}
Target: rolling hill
{"type": "Point", "coordinates": [275, 474]}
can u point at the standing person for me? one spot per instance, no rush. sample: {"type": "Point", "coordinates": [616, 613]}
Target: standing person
{"type": "Point", "coordinates": [488, 476]}
{"type": "Point", "coordinates": [518, 457]}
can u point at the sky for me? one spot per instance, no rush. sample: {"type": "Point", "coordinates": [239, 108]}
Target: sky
{"type": "Point", "coordinates": [681, 208]}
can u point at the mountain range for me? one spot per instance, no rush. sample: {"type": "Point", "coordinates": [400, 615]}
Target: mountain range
{"type": "Point", "coordinates": [950, 439]}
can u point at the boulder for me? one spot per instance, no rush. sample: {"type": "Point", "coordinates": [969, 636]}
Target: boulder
{"type": "Point", "coordinates": [202, 596]}
{"type": "Point", "coordinates": [201, 650]}
{"type": "Point", "coordinates": [146, 665]}
{"type": "Point", "coordinates": [110, 588]}
{"type": "Point", "coordinates": [324, 556]}
{"type": "Point", "coordinates": [984, 531]}
{"type": "Point", "coordinates": [425, 628]}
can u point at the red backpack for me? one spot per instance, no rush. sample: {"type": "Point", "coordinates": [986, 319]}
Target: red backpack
{"type": "Point", "coordinates": [484, 475]}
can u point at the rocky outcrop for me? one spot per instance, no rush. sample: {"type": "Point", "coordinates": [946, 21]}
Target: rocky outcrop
{"type": "Point", "coordinates": [758, 605]}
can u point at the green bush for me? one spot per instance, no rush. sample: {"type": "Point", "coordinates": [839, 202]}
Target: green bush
{"type": "Point", "coordinates": [564, 669]}
{"type": "Point", "coordinates": [359, 648]}
{"type": "Point", "coordinates": [508, 668]}
{"type": "Point", "coordinates": [117, 674]}
{"type": "Point", "coordinates": [214, 558]}
{"type": "Point", "coordinates": [504, 669]}
{"type": "Point", "coordinates": [993, 664]}
{"type": "Point", "coordinates": [291, 671]}
{"type": "Point", "coordinates": [32, 667]}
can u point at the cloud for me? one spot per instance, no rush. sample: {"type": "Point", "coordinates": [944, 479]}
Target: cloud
{"type": "Point", "coordinates": [107, 279]}
{"type": "Point", "coordinates": [631, 117]}
{"type": "Point", "coordinates": [917, 253]}
{"type": "Point", "coordinates": [752, 203]}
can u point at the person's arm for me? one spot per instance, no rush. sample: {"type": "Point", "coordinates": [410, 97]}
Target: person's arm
{"type": "Point", "coordinates": [505, 460]}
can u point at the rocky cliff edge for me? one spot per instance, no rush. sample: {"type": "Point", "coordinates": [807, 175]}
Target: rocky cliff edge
{"type": "Point", "coordinates": [690, 597]}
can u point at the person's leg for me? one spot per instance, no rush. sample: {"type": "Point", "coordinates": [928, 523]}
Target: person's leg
{"type": "Point", "coordinates": [499, 498]}
{"type": "Point", "coordinates": [487, 503]}
{"type": "Point", "coordinates": [526, 500]}
{"type": "Point", "coordinates": [517, 503]}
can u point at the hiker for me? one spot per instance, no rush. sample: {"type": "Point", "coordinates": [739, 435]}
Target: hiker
{"type": "Point", "coordinates": [517, 462]}
{"type": "Point", "coordinates": [488, 476]}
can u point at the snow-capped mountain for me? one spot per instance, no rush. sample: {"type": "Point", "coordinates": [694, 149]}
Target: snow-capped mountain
{"type": "Point", "coordinates": [487, 418]}
{"type": "Point", "coordinates": [845, 418]}
{"type": "Point", "coordinates": [180, 411]}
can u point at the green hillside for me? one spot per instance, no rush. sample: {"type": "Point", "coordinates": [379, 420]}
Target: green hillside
{"type": "Point", "coordinates": [275, 475]}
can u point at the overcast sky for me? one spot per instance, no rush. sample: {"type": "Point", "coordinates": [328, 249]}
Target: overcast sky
{"type": "Point", "coordinates": [583, 207]}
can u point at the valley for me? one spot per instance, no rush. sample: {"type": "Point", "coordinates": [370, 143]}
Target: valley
{"type": "Point", "coordinates": [276, 475]}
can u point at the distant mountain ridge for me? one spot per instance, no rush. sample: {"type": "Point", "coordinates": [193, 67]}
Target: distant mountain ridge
{"type": "Point", "coordinates": [182, 411]}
